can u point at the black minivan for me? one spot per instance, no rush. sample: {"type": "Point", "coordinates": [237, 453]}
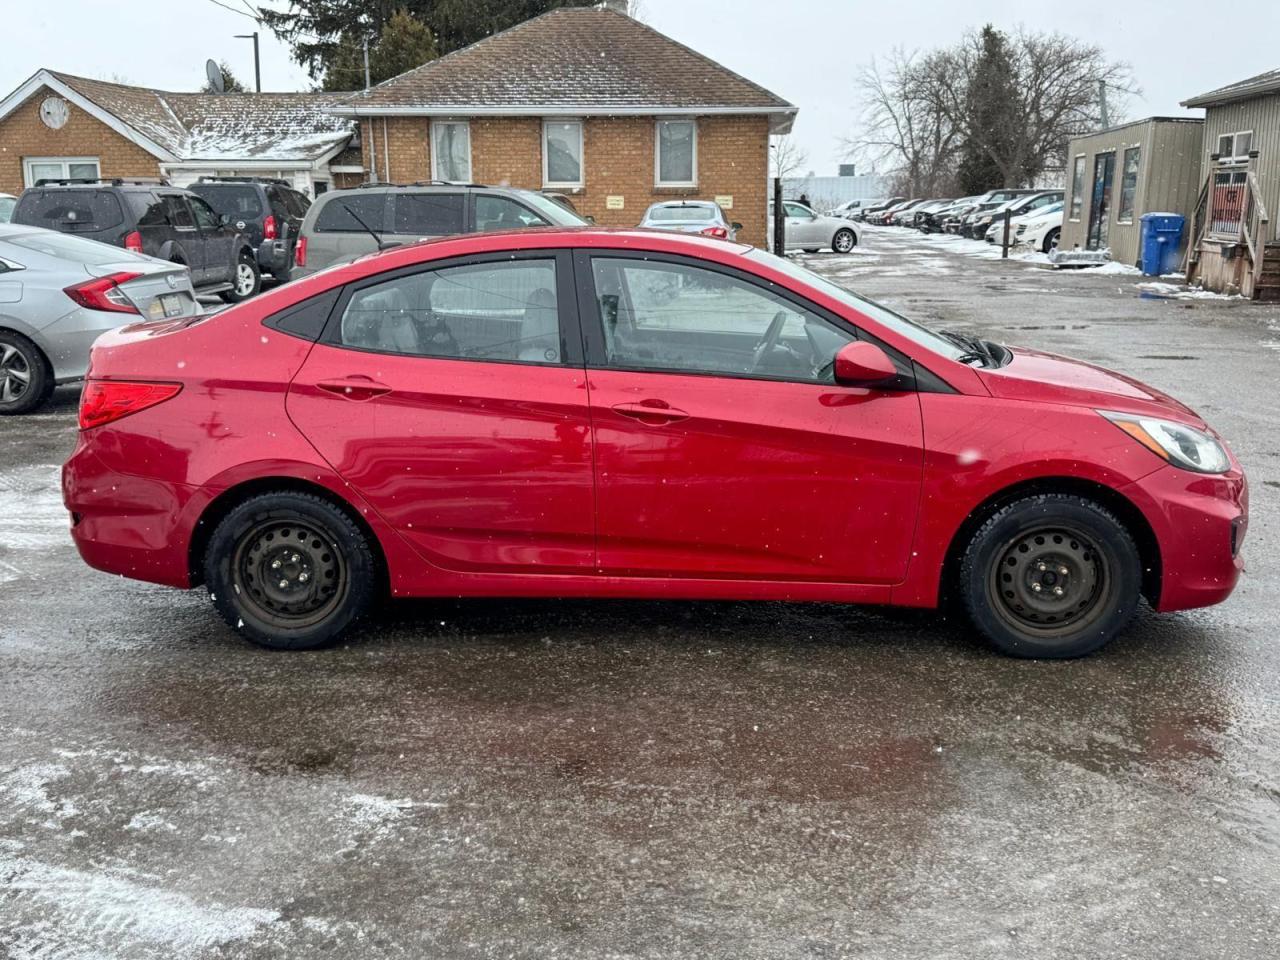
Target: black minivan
{"type": "Point", "coordinates": [152, 218]}
{"type": "Point", "coordinates": [268, 212]}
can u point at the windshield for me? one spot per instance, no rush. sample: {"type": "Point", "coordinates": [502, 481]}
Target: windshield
{"type": "Point", "coordinates": [881, 314]}
{"type": "Point", "coordinates": [556, 213]}
{"type": "Point", "coordinates": [6, 208]}
{"type": "Point", "coordinates": [70, 209]}
{"type": "Point", "coordinates": [664, 214]}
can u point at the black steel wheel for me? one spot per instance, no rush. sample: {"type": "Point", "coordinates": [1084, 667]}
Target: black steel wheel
{"type": "Point", "coordinates": [26, 381]}
{"type": "Point", "coordinates": [1051, 576]}
{"type": "Point", "coordinates": [290, 571]}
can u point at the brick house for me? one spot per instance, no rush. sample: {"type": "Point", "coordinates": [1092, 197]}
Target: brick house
{"type": "Point", "coordinates": [583, 101]}
{"type": "Point", "coordinates": [58, 125]}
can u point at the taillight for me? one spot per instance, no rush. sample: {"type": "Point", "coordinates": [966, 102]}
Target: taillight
{"type": "Point", "coordinates": [104, 293]}
{"type": "Point", "coordinates": [269, 228]}
{"type": "Point", "coordinates": [103, 401]}
{"type": "Point", "coordinates": [133, 242]}
{"type": "Point", "coordinates": [720, 233]}
{"type": "Point", "coordinates": [300, 252]}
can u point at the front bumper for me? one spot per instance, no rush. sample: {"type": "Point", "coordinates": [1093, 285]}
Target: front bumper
{"type": "Point", "coordinates": [1200, 524]}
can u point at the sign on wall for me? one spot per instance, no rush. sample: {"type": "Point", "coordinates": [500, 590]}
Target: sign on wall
{"type": "Point", "coordinates": [725, 201]}
{"type": "Point", "coordinates": [613, 203]}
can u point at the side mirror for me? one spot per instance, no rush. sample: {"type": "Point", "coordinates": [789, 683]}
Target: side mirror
{"type": "Point", "coordinates": [736, 225]}
{"type": "Point", "coordinates": [589, 219]}
{"type": "Point", "coordinates": [862, 364]}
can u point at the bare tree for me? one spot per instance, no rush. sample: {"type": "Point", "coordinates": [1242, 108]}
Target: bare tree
{"type": "Point", "coordinates": [905, 127]}
{"type": "Point", "coordinates": [786, 157]}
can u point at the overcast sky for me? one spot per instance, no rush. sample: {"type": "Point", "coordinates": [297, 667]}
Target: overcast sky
{"type": "Point", "coordinates": [807, 51]}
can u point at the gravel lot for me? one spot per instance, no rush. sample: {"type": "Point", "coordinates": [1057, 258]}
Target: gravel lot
{"type": "Point", "coordinates": [658, 780]}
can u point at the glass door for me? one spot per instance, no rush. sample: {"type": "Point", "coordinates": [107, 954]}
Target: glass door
{"type": "Point", "coordinates": [1104, 170]}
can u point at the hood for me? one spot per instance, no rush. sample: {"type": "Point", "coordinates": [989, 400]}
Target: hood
{"type": "Point", "coordinates": [1046, 377]}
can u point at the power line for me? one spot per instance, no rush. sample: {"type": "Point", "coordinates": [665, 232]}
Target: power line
{"type": "Point", "coordinates": [219, 3]}
{"type": "Point", "coordinates": [252, 9]}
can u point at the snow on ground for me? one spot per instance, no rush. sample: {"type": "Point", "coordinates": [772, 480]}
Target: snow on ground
{"type": "Point", "coordinates": [1180, 291]}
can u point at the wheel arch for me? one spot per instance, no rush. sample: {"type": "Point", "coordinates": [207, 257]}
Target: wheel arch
{"type": "Point", "coordinates": [32, 336]}
{"type": "Point", "coordinates": [226, 501]}
{"type": "Point", "coordinates": [1125, 510]}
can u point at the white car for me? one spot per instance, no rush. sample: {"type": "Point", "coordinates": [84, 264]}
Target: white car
{"type": "Point", "coordinates": [850, 209]}
{"type": "Point", "coordinates": [691, 216]}
{"type": "Point", "coordinates": [7, 202]}
{"type": "Point", "coordinates": [1041, 230]}
{"type": "Point", "coordinates": [995, 232]}
{"type": "Point", "coordinates": [811, 232]}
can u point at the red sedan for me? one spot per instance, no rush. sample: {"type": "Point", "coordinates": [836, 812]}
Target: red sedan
{"type": "Point", "coordinates": [634, 414]}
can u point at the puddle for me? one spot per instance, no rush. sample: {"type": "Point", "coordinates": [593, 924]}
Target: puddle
{"type": "Point", "coordinates": [1165, 356]}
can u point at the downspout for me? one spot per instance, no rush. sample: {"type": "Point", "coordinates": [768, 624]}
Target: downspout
{"type": "Point", "coordinates": [373, 153]}
{"type": "Point", "coordinates": [386, 151]}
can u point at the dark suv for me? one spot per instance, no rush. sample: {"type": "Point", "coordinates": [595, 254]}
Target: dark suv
{"type": "Point", "coordinates": [152, 218]}
{"type": "Point", "coordinates": [268, 212]}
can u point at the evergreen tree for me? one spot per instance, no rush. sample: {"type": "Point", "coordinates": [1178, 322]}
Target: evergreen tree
{"type": "Point", "coordinates": [403, 44]}
{"type": "Point", "coordinates": [993, 108]}
{"type": "Point", "coordinates": [327, 35]}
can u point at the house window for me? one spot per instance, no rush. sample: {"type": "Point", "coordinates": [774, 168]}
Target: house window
{"type": "Point", "coordinates": [676, 160]}
{"type": "Point", "coordinates": [1077, 188]}
{"type": "Point", "coordinates": [451, 151]}
{"type": "Point", "coordinates": [1235, 146]}
{"type": "Point", "coordinates": [60, 168]}
{"type": "Point", "coordinates": [562, 153]}
{"type": "Point", "coordinates": [1128, 185]}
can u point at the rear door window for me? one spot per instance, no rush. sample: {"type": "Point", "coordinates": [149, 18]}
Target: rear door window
{"type": "Point", "coordinates": [70, 211]}
{"type": "Point", "coordinates": [178, 211]}
{"type": "Point", "coordinates": [336, 215]}
{"type": "Point", "coordinates": [428, 214]}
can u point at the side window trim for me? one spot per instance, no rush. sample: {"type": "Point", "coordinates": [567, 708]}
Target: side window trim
{"type": "Point", "coordinates": [566, 303]}
{"type": "Point", "coordinates": [593, 342]}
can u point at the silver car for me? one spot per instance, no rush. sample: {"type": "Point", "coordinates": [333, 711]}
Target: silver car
{"type": "Point", "coordinates": [344, 224]}
{"type": "Point", "coordinates": [59, 292]}
{"type": "Point", "coordinates": [809, 231]}
{"type": "Point", "coordinates": [691, 216]}
{"type": "Point", "coordinates": [7, 202]}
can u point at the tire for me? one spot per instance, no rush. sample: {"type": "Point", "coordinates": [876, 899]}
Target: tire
{"type": "Point", "coordinates": [812, 249]}
{"type": "Point", "coordinates": [1051, 240]}
{"type": "Point", "coordinates": [1033, 541]}
{"type": "Point", "coordinates": [844, 240]}
{"type": "Point", "coordinates": [327, 588]}
{"type": "Point", "coordinates": [246, 281]}
{"type": "Point", "coordinates": [26, 379]}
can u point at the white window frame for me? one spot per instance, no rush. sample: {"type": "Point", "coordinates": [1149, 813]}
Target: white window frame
{"type": "Point", "coordinates": [1235, 138]}
{"type": "Point", "coordinates": [27, 162]}
{"type": "Point", "coordinates": [1084, 172]}
{"type": "Point", "coordinates": [582, 154]}
{"type": "Point", "coordinates": [657, 153]}
{"type": "Point", "coordinates": [435, 154]}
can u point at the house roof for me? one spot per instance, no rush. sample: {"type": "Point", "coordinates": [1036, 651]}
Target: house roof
{"type": "Point", "coordinates": [176, 127]}
{"type": "Point", "coordinates": [572, 61]}
{"type": "Point", "coordinates": [1262, 84]}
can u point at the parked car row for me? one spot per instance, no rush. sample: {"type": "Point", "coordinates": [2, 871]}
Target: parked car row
{"type": "Point", "coordinates": [1035, 216]}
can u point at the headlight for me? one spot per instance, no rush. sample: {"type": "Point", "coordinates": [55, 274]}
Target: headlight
{"type": "Point", "coordinates": [1177, 443]}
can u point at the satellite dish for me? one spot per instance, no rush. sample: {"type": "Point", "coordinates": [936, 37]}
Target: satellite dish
{"type": "Point", "coordinates": [214, 73]}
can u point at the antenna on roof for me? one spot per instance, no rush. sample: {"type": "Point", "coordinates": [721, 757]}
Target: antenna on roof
{"type": "Point", "coordinates": [214, 73]}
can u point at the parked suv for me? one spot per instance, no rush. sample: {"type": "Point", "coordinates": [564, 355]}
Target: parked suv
{"type": "Point", "coordinates": [268, 212]}
{"type": "Point", "coordinates": [344, 224]}
{"type": "Point", "coordinates": [151, 218]}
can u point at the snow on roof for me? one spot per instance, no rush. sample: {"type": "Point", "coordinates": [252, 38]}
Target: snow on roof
{"type": "Point", "coordinates": [229, 126]}
{"type": "Point", "coordinates": [1263, 83]}
{"type": "Point", "coordinates": [588, 58]}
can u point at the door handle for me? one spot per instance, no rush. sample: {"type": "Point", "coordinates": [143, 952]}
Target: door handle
{"type": "Point", "coordinates": [356, 387]}
{"type": "Point", "coordinates": [653, 412]}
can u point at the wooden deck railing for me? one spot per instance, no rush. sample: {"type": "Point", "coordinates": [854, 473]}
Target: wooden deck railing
{"type": "Point", "coordinates": [1196, 228]}
{"type": "Point", "coordinates": [1253, 226]}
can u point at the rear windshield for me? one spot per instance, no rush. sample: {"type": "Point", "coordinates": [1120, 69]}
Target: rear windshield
{"type": "Point", "coordinates": [80, 249]}
{"type": "Point", "coordinates": [74, 210]}
{"type": "Point", "coordinates": [237, 202]}
{"type": "Point", "coordinates": [664, 214]}
{"type": "Point", "coordinates": [6, 208]}
{"type": "Point", "coordinates": [335, 216]}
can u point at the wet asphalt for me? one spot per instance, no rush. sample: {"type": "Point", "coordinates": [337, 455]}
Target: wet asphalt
{"type": "Point", "coordinates": [611, 779]}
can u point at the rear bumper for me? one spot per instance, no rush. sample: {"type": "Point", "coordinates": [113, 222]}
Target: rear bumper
{"type": "Point", "coordinates": [1200, 524]}
{"type": "Point", "coordinates": [125, 524]}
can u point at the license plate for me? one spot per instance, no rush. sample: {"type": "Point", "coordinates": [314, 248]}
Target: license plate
{"type": "Point", "coordinates": [172, 305]}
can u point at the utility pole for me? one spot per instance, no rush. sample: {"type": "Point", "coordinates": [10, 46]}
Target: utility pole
{"type": "Point", "coordinates": [257, 64]}
{"type": "Point", "coordinates": [1102, 103]}
{"type": "Point", "coordinates": [366, 61]}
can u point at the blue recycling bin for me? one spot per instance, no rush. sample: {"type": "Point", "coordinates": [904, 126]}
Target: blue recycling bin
{"type": "Point", "coordinates": [1161, 238]}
